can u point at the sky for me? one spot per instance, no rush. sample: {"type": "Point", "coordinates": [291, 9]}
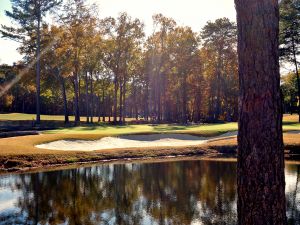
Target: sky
{"type": "Point", "coordinates": [193, 13]}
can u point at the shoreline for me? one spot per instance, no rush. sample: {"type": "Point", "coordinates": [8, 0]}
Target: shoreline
{"type": "Point", "coordinates": [19, 154]}
{"type": "Point", "coordinates": [23, 163]}
{"type": "Point", "coordinates": [30, 163]}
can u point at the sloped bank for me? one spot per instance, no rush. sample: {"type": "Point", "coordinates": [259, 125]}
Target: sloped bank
{"type": "Point", "coordinates": [21, 155]}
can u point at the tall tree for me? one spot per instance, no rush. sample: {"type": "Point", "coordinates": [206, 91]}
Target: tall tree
{"type": "Point", "coordinates": [184, 52]}
{"type": "Point", "coordinates": [124, 36]}
{"type": "Point", "coordinates": [261, 182]}
{"type": "Point", "coordinates": [164, 25]}
{"type": "Point", "coordinates": [56, 61]}
{"type": "Point", "coordinates": [76, 18]}
{"type": "Point", "coordinates": [28, 16]}
{"type": "Point", "coordinates": [290, 36]}
{"type": "Point", "coordinates": [219, 40]}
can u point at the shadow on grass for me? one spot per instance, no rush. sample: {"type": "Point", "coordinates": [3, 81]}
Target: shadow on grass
{"type": "Point", "coordinates": [169, 128]}
{"type": "Point", "coordinates": [95, 126]}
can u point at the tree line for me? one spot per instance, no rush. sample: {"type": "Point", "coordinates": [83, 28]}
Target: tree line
{"type": "Point", "coordinates": [109, 68]}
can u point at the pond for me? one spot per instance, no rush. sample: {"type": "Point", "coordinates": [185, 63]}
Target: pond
{"type": "Point", "coordinates": [178, 192]}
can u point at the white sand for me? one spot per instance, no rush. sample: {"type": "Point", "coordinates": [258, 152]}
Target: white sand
{"type": "Point", "coordinates": [129, 141]}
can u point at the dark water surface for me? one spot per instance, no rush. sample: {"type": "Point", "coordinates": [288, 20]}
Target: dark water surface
{"type": "Point", "coordinates": [184, 192]}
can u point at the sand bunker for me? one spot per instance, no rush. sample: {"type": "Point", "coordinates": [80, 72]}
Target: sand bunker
{"type": "Point", "coordinates": [129, 141]}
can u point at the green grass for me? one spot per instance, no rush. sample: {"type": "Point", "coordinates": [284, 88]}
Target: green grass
{"type": "Point", "coordinates": [207, 130]}
{"type": "Point", "coordinates": [289, 123]}
{"type": "Point", "coordinates": [24, 116]}
{"type": "Point", "coordinates": [30, 117]}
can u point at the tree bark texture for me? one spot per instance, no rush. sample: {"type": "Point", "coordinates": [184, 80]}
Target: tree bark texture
{"type": "Point", "coordinates": [261, 182]}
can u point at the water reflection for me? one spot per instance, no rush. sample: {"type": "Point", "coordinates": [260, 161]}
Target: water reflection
{"type": "Point", "coordinates": [185, 192]}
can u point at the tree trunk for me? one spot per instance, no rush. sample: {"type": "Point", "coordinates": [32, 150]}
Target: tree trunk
{"type": "Point", "coordinates": [159, 103]}
{"type": "Point", "coordinates": [147, 99]}
{"type": "Point", "coordinates": [121, 103]}
{"type": "Point", "coordinates": [92, 98]}
{"type": "Point", "coordinates": [260, 169]}
{"type": "Point", "coordinates": [98, 108]}
{"type": "Point", "coordinates": [184, 100]}
{"type": "Point", "coordinates": [135, 104]}
{"type": "Point", "coordinates": [103, 105]}
{"type": "Point", "coordinates": [115, 99]}
{"type": "Point", "coordinates": [109, 107]}
{"type": "Point", "coordinates": [124, 101]}
{"type": "Point", "coordinates": [76, 92]}
{"type": "Point", "coordinates": [217, 110]}
{"type": "Point", "coordinates": [38, 68]}
{"type": "Point", "coordinates": [63, 89]}
{"type": "Point", "coordinates": [87, 97]}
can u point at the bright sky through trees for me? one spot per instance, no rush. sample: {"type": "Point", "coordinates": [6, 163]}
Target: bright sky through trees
{"type": "Point", "coordinates": [193, 13]}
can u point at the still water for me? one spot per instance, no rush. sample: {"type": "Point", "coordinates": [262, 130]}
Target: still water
{"type": "Point", "coordinates": [182, 192]}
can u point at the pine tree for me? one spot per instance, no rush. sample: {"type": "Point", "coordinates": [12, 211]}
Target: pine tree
{"type": "Point", "coordinates": [28, 15]}
{"type": "Point", "coordinates": [290, 35]}
{"type": "Point", "coordinates": [260, 169]}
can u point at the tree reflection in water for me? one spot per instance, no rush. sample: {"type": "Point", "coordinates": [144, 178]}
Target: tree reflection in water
{"type": "Point", "coordinates": [185, 192]}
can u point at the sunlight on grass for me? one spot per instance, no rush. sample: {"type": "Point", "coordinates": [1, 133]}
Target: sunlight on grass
{"type": "Point", "coordinates": [211, 129]}
{"type": "Point", "coordinates": [206, 129]}
{"type": "Point", "coordinates": [289, 123]}
{"type": "Point", "coordinates": [30, 117]}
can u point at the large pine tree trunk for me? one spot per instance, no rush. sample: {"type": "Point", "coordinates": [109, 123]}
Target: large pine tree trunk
{"type": "Point", "coordinates": [261, 183]}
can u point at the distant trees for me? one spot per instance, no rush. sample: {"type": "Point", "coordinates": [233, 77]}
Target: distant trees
{"type": "Point", "coordinates": [261, 182]}
{"type": "Point", "coordinates": [123, 37]}
{"type": "Point", "coordinates": [56, 62]}
{"type": "Point", "coordinates": [75, 19]}
{"type": "Point", "coordinates": [185, 63]}
{"type": "Point", "coordinates": [290, 36]}
{"type": "Point", "coordinates": [219, 41]}
{"type": "Point", "coordinates": [107, 68]}
{"type": "Point", "coordinates": [28, 16]}
{"type": "Point", "coordinates": [289, 88]}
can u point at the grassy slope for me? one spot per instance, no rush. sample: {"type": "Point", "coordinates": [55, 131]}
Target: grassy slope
{"type": "Point", "coordinates": [289, 123]}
